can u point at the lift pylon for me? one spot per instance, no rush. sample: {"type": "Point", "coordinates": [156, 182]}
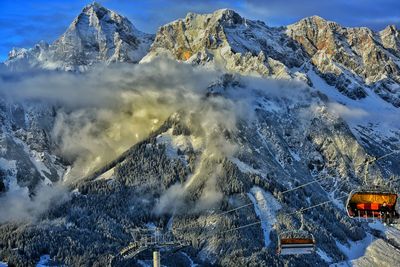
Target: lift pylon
{"type": "Point", "coordinates": [152, 238]}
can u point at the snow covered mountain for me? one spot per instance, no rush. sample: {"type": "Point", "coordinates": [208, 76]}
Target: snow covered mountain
{"type": "Point", "coordinates": [330, 102]}
{"type": "Point", "coordinates": [97, 35]}
{"type": "Point", "coordinates": [357, 61]}
{"type": "Point", "coordinates": [28, 156]}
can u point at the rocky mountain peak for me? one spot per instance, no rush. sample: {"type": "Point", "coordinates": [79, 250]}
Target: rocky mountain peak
{"type": "Point", "coordinates": [96, 35]}
{"type": "Point", "coordinates": [225, 17]}
{"type": "Point", "coordinates": [94, 6]}
{"type": "Point", "coordinates": [317, 22]}
{"type": "Point", "coordinates": [391, 29]}
{"type": "Point", "coordinates": [315, 19]}
{"type": "Point", "coordinates": [390, 37]}
{"type": "Point", "coordinates": [96, 12]}
{"type": "Point", "coordinates": [350, 58]}
{"type": "Point", "coordinates": [228, 17]}
{"type": "Point", "coordinates": [225, 39]}
{"type": "Point", "coordinates": [96, 23]}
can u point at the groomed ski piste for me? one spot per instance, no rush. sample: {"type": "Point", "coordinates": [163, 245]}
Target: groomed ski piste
{"type": "Point", "coordinates": [265, 206]}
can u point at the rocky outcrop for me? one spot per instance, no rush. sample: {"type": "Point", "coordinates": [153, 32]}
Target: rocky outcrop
{"type": "Point", "coordinates": [390, 38]}
{"type": "Point", "coordinates": [357, 61]}
{"type": "Point", "coordinates": [349, 58]}
{"type": "Point", "coordinates": [227, 40]}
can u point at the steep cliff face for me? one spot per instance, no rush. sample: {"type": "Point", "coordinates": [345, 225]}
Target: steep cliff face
{"type": "Point", "coordinates": [97, 35]}
{"type": "Point", "coordinates": [28, 153]}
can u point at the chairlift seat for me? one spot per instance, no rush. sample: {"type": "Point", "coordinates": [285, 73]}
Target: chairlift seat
{"type": "Point", "coordinates": [295, 243]}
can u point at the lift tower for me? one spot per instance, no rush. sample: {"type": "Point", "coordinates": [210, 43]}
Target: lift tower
{"type": "Point", "coordinates": [151, 239]}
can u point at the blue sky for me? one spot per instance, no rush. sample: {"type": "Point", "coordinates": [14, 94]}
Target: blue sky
{"type": "Point", "coordinates": [25, 22]}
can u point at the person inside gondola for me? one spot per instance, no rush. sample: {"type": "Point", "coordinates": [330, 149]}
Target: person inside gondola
{"type": "Point", "coordinates": [386, 213]}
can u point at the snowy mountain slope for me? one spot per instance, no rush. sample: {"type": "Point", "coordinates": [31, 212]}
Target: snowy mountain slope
{"type": "Point", "coordinates": [97, 35]}
{"type": "Point", "coordinates": [371, 120]}
{"type": "Point", "coordinates": [27, 155]}
{"type": "Point", "coordinates": [379, 253]}
{"type": "Point", "coordinates": [292, 139]}
{"type": "Point", "coordinates": [382, 249]}
{"type": "Point", "coordinates": [265, 207]}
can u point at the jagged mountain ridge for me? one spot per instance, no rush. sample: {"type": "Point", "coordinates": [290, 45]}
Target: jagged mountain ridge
{"type": "Point", "coordinates": [97, 35]}
{"type": "Point", "coordinates": [357, 61]}
{"type": "Point", "coordinates": [225, 38]}
{"type": "Point", "coordinates": [358, 56]}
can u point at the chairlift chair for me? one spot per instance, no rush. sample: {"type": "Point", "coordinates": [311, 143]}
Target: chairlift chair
{"type": "Point", "coordinates": [295, 243]}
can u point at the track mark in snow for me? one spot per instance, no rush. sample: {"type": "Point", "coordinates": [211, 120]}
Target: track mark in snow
{"type": "Point", "coordinates": [324, 256]}
{"type": "Point", "coordinates": [265, 206]}
{"type": "Point", "coordinates": [108, 175]}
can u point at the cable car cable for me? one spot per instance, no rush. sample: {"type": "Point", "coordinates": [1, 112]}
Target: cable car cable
{"type": "Point", "coordinates": [292, 213]}
{"type": "Point", "coordinates": [384, 156]}
{"type": "Point", "coordinates": [251, 204]}
{"type": "Point", "coordinates": [298, 187]}
{"type": "Point", "coordinates": [303, 185]}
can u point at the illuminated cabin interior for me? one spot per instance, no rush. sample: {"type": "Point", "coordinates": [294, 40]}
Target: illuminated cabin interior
{"type": "Point", "coordinates": [370, 204]}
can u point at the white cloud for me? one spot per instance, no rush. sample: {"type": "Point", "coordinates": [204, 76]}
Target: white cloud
{"type": "Point", "coordinates": [347, 112]}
